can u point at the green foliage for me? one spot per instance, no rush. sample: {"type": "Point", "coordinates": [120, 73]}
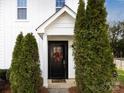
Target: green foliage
{"type": "Point", "coordinates": [121, 76]}
{"type": "Point", "coordinates": [92, 52]}
{"type": "Point", "coordinates": [25, 74]}
{"type": "Point", "coordinates": [14, 69]}
{"type": "Point", "coordinates": [30, 75]}
{"type": "Point", "coordinates": [77, 44]}
{"type": "Point", "coordinates": [116, 35]}
{"type": "Point", "coordinates": [80, 17]}
{"type": "Point", "coordinates": [120, 48]}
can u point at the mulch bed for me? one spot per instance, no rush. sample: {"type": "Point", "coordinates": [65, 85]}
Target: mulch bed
{"type": "Point", "coordinates": [5, 88]}
{"type": "Point", "coordinates": [118, 89]}
{"type": "Point", "coordinates": [43, 90]}
{"type": "Point", "coordinates": [73, 90]}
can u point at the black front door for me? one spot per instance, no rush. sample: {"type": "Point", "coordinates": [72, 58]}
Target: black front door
{"type": "Point", "coordinates": [57, 59]}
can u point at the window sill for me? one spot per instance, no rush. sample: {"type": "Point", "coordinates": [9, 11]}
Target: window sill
{"type": "Point", "coordinates": [19, 20]}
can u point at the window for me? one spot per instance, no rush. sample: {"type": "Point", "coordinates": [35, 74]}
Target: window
{"type": "Point", "coordinates": [21, 9]}
{"type": "Point", "coordinates": [59, 4]}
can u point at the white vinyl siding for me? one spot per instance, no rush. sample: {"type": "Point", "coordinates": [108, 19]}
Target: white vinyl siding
{"type": "Point", "coordinates": [2, 64]}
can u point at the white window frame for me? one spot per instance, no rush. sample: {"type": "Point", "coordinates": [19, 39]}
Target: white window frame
{"type": "Point", "coordinates": [22, 7]}
{"type": "Point", "coordinates": [59, 7]}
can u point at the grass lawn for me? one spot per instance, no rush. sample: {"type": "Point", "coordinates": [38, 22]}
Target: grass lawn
{"type": "Point", "coordinates": [121, 76]}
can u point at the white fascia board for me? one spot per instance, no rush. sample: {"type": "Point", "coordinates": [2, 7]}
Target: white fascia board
{"type": "Point", "coordinates": [41, 29]}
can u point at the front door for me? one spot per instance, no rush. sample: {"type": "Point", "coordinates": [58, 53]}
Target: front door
{"type": "Point", "coordinates": [57, 59]}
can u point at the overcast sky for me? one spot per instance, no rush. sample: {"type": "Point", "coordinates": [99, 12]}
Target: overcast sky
{"type": "Point", "coordinates": [115, 9]}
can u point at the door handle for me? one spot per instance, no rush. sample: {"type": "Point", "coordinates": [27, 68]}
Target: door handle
{"type": "Point", "coordinates": [64, 62]}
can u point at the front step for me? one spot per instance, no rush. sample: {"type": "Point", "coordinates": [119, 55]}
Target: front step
{"type": "Point", "coordinates": [60, 84]}
{"type": "Point", "coordinates": [57, 90]}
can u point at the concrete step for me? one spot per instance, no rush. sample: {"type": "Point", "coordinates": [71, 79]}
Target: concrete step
{"type": "Point", "coordinates": [58, 90]}
{"type": "Point", "coordinates": [61, 85]}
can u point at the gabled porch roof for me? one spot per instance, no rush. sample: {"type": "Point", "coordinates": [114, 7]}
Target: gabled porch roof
{"type": "Point", "coordinates": [66, 9]}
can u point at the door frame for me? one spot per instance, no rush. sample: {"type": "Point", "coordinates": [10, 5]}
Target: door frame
{"type": "Point", "coordinates": [66, 54]}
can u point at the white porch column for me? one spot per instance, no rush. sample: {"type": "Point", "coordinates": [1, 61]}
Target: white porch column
{"type": "Point", "coordinates": [45, 60]}
{"type": "Point", "coordinates": [40, 47]}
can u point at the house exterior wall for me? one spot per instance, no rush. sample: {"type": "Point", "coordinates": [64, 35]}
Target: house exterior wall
{"type": "Point", "coordinates": [1, 35]}
{"type": "Point", "coordinates": [37, 12]}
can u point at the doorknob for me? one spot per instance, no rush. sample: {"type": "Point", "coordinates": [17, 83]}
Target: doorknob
{"type": "Point", "coordinates": [64, 62]}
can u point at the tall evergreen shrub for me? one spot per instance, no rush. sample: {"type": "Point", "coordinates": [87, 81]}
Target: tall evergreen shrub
{"type": "Point", "coordinates": [100, 57]}
{"type": "Point", "coordinates": [14, 71]}
{"type": "Point", "coordinates": [30, 75]}
{"type": "Point", "coordinates": [80, 17]}
{"type": "Point", "coordinates": [25, 74]}
{"type": "Point", "coordinates": [92, 52]}
{"type": "Point", "coordinates": [77, 44]}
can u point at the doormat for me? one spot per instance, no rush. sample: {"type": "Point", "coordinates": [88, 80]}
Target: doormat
{"type": "Point", "coordinates": [58, 80]}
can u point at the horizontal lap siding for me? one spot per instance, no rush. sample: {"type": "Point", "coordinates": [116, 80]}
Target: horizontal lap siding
{"type": "Point", "coordinates": [38, 12]}
{"type": "Point", "coordinates": [2, 64]}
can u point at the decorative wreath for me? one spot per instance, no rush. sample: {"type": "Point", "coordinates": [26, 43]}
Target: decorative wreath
{"type": "Point", "coordinates": [58, 56]}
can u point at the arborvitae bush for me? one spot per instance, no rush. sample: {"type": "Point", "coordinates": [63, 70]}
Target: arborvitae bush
{"type": "Point", "coordinates": [100, 53]}
{"type": "Point", "coordinates": [25, 73]}
{"type": "Point", "coordinates": [93, 55]}
{"type": "Point", "coordinates": [30, 75]}
{"type": "Point", "coordinates": [80, 17]}
{"type": "Point", "coordinates": [14, 69]}
{"type": "Point", "coordinates": [77, 44]}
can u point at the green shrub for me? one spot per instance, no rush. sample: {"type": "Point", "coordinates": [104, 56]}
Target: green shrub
{"type": "Point", "coordinates": [25, 73]}
{"type": "Point", "coordinates": [14, 69]}
{"type": "Point", "coordinates": [29, 71]}
{"type": "Point", "coordinates": [77, 44]}
{"type": "Point", "coordinates": [92, 51]}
